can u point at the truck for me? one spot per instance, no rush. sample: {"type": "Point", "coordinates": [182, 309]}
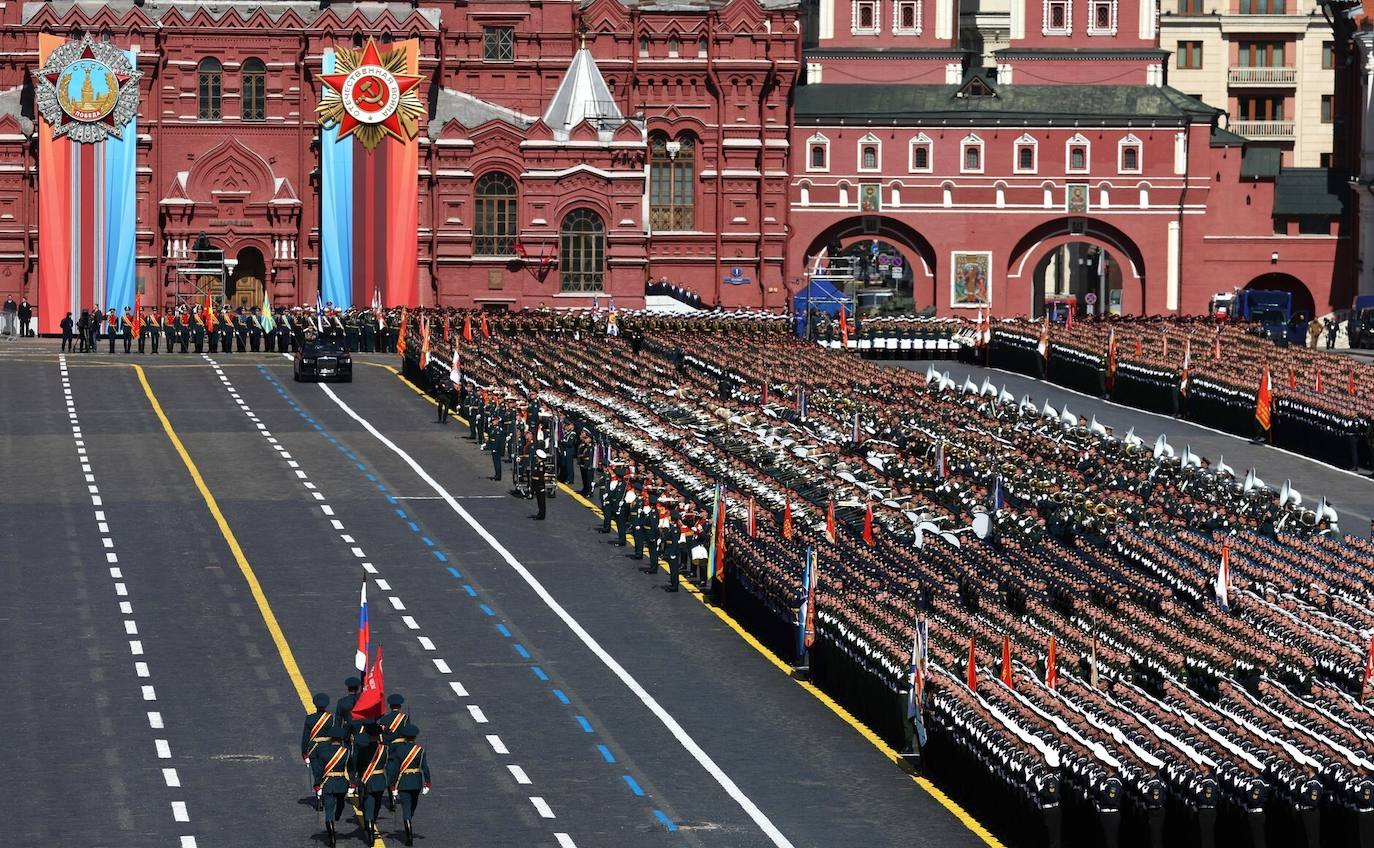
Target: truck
{"type": "Point", "coordinates": [1273, 310]}
{"type": "Point", "coordinates": [1361, 324]}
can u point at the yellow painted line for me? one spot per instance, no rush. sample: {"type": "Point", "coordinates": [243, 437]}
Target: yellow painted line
{"type": "Point", "coordinates": [269, 618]}
{"type": "Point", "coordinates": [888, 751]}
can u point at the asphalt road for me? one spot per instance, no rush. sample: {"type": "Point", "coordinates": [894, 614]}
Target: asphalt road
{"type": "Point", "coordinates": [563, 698]}
{"type": "Point", "coordinates": [1352, 495]}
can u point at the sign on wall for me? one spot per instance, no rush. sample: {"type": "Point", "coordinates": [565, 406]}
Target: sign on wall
{"type": "Point", "coordinates": [1076, 197]}
{"type": "Point", "coordinates": [870, 197]}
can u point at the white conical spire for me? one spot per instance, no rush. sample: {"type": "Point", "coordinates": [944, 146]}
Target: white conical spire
{"type": "Point", "coordinates": [582, 95]}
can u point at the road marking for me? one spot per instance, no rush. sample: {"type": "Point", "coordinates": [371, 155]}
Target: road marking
{"type": "Point", "coordinates": [564, 840]}
{"type": "Point", "coordinates": [497, 745]}
{"type": "Point", "coordinates": [606, 753]}
{"type": "Point", "coordinates": [667, 822]}
{"type": "Point", "coordinates": [164, 751]}
{"type": "Point", "coordinates": [458, 689]}
{"type": "Point", "coordinates": [170, 776]}
{"type": "Point", "coordinates": [477, 714]}
{"type": "Point", "coordinates": [688, 743]}
{"type": "Point", "coordinates": [179, 811]}
{"type": "Point", "coordinates": [519, 775]}
{"type": "Point", "coordinates": [442, 666]}
{"type": "Point", "coordinates": [634, 787]}
{"type": "Point", "coordinates": [542, 806]}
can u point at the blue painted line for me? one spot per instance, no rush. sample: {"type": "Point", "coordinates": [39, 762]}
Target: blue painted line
{"type": "Point", "coordinates": [558, 693]}
{"type": "Point", "coordinates": [350, 456]}
{"type": "Point", "coordinates": [667, 822]}
{"type": "Point", "coordinates": [428, 541]}
{"type": "Point", "coordinates": [454, 572]}
{"type": "Point", "coordinates": [372, 479]}
{"type": "Point", "coordinates": [381, 488]}
{"type": "Point", "coordinates": [439, 556]}
{"type": "Point", "coordinates": [486, 609]}
{"type": "Point", "coordinates": [586, 725]}
{"type": "Point", "coordinates": [361, 467]}
{"type": "Point", "coordinates": [414, 528]}
{"type": "Point", "coordinates": [520, 649]}
{"type": "Point", "coordinates": [634, 787]}
{"type": "Point", "coordinates": [399, 512]}
{"type": "Point", "coordinates": [502, 629]}
{"type": "Point", "coordinates": [539, 672]}
{"type": "Point", "coordinates": [471, 591]}
{"type": "Point", "coordinates": [606, 753]}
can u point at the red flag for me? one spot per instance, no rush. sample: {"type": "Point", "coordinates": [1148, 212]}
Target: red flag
{"type": "Point", "coordinates": [763, 396]}
{"type": "Point", "coordinates": [210, 318]}
{"type": "Point", "coordinates": [1006, 659]}
{"type": "Point", "coordinates": [1352, 382]}
{"type": "Point", "coordinates": [972, 665]}
{"type": "Point", "coordinates": [447, 327]}
{"type": "Point", "coordinates": [719, 531]}
{"type": "Point", "coordinates": [1216, 347]}
{"type": "Point", "coordinates": [844, 329]}
{"type": "Point", "coordinates": [753, 519]}
{"type": "Point", "coordinates": [1263, 399]}
{"type": "Point", "coordinates": [1137, 347]}
{"type": "Point", "coordinates": [1051, 671]}
{"type": "Point", "coordinates": [372, 700]}
{"type": "Point", "coordinates": [486, 331]}
{"type": "Point", "coordinates": [1292, 378]}
{"type": "Point", "coordinates": [868, 525]}
{"type": "Point", "coordinates": [401, 337]}
{"type": "Point", "coordinates": [787, 517]}
{"type": "Point", "coordinates": [467, 328]}
{"type": "Point", "coordinates": [1165, 354]}
{"type": "Point", "coordinates": [1368, 670]}
{"type": "Point", "coordinates": [830, 521]}
{"type": "Point", "coordinates": [424, 342]}
{"type": "Point", "coordinates": [1111, 357]}
{"type": "Point", "coordinates": [1319, 381]}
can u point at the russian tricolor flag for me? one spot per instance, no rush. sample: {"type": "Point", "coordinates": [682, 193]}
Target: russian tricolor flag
{"type": "Point", "coordinates": [364, 631]}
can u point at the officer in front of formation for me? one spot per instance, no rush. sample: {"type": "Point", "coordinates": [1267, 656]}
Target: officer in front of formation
{"type": "Point", "coordinates": [539, 482]}
{"type": "Point", "coordinates": [407, 773]}
{"type": "Point", "coordinates": [496, 443]}
{"type": "Point", "coordinates": [332, 770]}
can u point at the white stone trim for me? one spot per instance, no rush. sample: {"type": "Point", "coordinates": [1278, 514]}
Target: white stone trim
{"type": "Point", "coordinates": [897, 7]}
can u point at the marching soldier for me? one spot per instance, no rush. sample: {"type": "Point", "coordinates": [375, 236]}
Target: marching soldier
{"type": "Point", "coordinates": [407, 772]}
{"type": "Point", "coordinates": [584, 463]}
{"type": "Point", "coordinates": [443, 394]}
{"type": "Point", "coordinates": [333, 772]}
{"type": "Point", "coordinates": [372, 783]}
{"type": "Point", "coordinates": [496, 439]}
{"type": "Point", "coordinates": [317, 727]}
{"type": "Point", "coordinates": [112, 327]}
{"type": "Point", "coordinates": [343, 712]}
{"type": "Point", "coordinates": [395, 719]}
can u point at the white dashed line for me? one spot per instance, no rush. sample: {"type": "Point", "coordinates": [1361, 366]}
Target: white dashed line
{"type": "Point", "coordinates": [519, 775]}
{"type": "Point", "coordinates": [442, 666]}
{"type": "Point", "coordinates": [155, 720]}
{"type": "Point", "coordinates": [179, 811]}
{"type": "Point", "coordinates": [542, 806]}
{"type": "Point", "coordinates": [164, 751]}
{"type": "Point", "coordinates": [410, 622]}
{"type": "Point", "coordinates": [458, 689]}
{"type": "Point", "coordinates": [149, 694]}
{"type": "Point", "coordinates": [497, 745]}
{"type": "Point", "coordinates": [564, 840]}
{"type": "Point", "coordinates": [383, 585]}
{"type": "Point", "coordinates": [396, 602]}
{"type": "Point", "coordinates": [170, 775]}
{"type": "Point", "coordinates": [426, 643]}
{"type": "Point", "coordinates": [477, 714]}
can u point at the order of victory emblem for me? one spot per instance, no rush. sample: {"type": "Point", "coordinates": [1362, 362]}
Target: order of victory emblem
{"type": "Point", "coordinates": [87, 91]}
{"type": "Point", "coordinates": [370, 96]}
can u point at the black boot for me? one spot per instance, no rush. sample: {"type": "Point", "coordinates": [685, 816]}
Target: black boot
{"type": "Point", "coordinates": [410, 835]}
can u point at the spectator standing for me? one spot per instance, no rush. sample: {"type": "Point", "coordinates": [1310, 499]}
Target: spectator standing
{"type": "Point", "coordinates": [10, 318]}
{"type": "Point", "coordinates": [25, 318]}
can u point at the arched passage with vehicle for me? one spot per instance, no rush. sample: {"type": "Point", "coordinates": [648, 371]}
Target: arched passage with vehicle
{"type": "Point", "coordinates": [1081, 261]}
{"type": "Point", "coordinates": [878, 255]}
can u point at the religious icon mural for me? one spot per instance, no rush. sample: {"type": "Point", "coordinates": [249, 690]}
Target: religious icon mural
{"type": "Point", "coordinates": [971, 280]}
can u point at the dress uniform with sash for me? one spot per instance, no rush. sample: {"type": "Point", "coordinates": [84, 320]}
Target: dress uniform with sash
{"type": "Point", "coordinates": [254, 330]}
{"type": "Point", "coordinates": [333, 772]}
{"type": "Point", "coordinates": [395, 719]}
{"type": "Point", "coordinates": [317, 727]}
{"type": "Point", "coordinates": [407, 773]}
{"type": "Point", "coordinates": [197, 333]}
{"type": "Point", "coordinates": [370, 761]}
{"type": "Point", "coordinates": [343, 712]}
{"type": "Point", "coordinates": [169, 329]}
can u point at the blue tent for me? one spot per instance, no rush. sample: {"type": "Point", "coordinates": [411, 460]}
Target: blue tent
{"type": "Point", "coordinates": [821, 295]}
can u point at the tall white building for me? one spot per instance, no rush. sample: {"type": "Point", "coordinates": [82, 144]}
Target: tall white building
{"type": "Point", "coordinates": [1268, 63]}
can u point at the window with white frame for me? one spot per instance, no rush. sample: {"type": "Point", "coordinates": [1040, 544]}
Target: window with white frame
{"type": "Point", "coordinates": [870, 153]}
{"type": "Point", "coordinates": [906, 17]}
{"type": "Point", "coordinates": [864, 17]}
{"type": "Point", "coordinates": [1026, 154]}
{"type": "Point", "coordinates": [1076, 155]}
{"type": "Point", "coordinates": [818, 153]}
{"type": "Point", "coordinates": [1058, 17]}
{"type": "Point", "coordinates": [1128, 155]}
{"type": "Point", "coordinates": [922, 151]}
{"type": "Point", "coordinates": [971, 155]}
{"type": "Point", "coordinates": [1101, 17]}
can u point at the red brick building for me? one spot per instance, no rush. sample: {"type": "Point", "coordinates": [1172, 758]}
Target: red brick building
{"type": "Point", "coordinates": [716, 145]}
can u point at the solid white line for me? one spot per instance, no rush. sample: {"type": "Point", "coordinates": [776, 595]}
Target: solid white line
{"type": "Point", "coordinates": [497, 745]}
{"type": "Point", "coordinates": [1185, 422]}
{"type": "Point", "coordinates": [683, 738]}
{"type": "Point", "coordinates": [519, 775]}
{"type": "Point", "coordinates": [542, 806]}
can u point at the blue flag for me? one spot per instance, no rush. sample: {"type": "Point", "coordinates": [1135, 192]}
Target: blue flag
{"type": "Point", "coordinates": [806, 611]}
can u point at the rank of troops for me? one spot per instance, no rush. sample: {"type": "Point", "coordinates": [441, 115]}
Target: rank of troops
{"type": "Point", "coordinates": [370, 761]}
{"type": "Point", "coordinates": [1136, 678]}
{"type": "Point", "coordinates": [190, 329]}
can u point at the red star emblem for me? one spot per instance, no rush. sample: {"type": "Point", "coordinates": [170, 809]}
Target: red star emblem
{"type": "Point", "coordinates": [370, 93]}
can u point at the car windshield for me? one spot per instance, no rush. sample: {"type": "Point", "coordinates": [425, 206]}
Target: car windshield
{"type": "Point", "coordinates": [320, 348]}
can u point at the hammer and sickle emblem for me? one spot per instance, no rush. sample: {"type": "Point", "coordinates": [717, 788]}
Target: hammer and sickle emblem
{"type": "Point", "coordinates": [368, 91]}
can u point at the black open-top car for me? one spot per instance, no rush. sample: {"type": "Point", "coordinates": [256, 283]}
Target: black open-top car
{"type": "Point", "coordinates": [323, 359]}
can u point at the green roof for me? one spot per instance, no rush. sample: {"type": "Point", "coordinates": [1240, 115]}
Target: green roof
{"type": "Point", "coordinates": [1088, 105]}
{"type": "Point", "coordinates": [1260, 163]}
{"type": "Point", "coordinates": [1301, 192]}
{"type": "Point", "coordinates": [1226, 138]}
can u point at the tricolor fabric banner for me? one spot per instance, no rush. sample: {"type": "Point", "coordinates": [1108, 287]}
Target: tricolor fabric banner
{"type": "Point", "coordinates": [87, 95]}
{"type": "Point", "coordinates": [370, 112]}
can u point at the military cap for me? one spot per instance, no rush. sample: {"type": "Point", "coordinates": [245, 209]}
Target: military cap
{"type": "Point", "coordinates": [395, 700]}
{"type": "Point", "coordinates": [541, 454]}
{"type": "Point", "coordinates": [322, 700]}
{"type": "Point", "coordinates": [409, 731]}
{"type": "Point", "coordinates": [352, 683]}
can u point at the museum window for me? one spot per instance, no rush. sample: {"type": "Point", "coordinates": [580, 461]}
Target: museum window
{"type": "Point", "coordinates": [818, 154]}
{"type": "Point", "coordinates": [971, 155]}
{"type": "Point", "coordinates": [1263, 7]}
{"type": "Point", "coordinates": [1058, 18]}
{"type": "Point", "coordinates": [701, 47]}
{"type": "Point", "coordinates": [253, 92]}
{"type": "Point", "coordinates": [1189, 55]}
{"type": "Point", "coordinates": [868, 157]}
{"type": "Point", "coordinates": [864, 17]}
{"type": "Point", "coordinates": [1078, 158]}
{"type": "Point", "coordinates": [498, 44]}
{"type": "Point", "coordinates": [643, 47]}
{"type": "Point", "coordinates": [906, 17]}
{"type": "Point", "coordinates": [1025, 158]}
{"type": "Point", "coordinates": [1130, 156]}
{"type": "Point", "coordinates": [920, 155]}
{"type": "Point", "coordinates": [582, 252]}
{"type": "Point", "coordinates": [1102, 17]}
{"type": "Point", "coordinates": [1190, 7]}
{"type": "Point", "coordinates": [1326, 108]}
{"type": "Point", "coordinates": [209, 79]}
{"type": "Point", "coordinates": [496, 217]}
{"type": "Point", "coordinates": [672, 182]}
{"type": "Point", "coordinates": [1328, 55]}
{"type": "Point", "coordinates": [673, 47]}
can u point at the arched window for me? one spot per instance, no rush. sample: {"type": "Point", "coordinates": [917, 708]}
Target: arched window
{"type": "Point", "coordinates": [582, 251]}
{"type": "Point", "coordinates": [1026, 158]}
{"type": "Point", "coordinates": [972, 158]}
{"type": "Point", "coordinates": [920, 159]}
{"type": "Point", "coordinates": [495, 222]}
{"type": "Point", "coordinates": [253, 96]}
{"type": "Point", "coordinates": [209, 76]}
{"type": "Point", "coordinates": [672, 182]}
{"type": "Point", "coordinates": [673, 46]}
{"type": "Point", "coordinates": [1078, 158]}
{"type": "Point", "coordinates": [818, 155]}
{"type": "Point", "coordinates": [870, 158]}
